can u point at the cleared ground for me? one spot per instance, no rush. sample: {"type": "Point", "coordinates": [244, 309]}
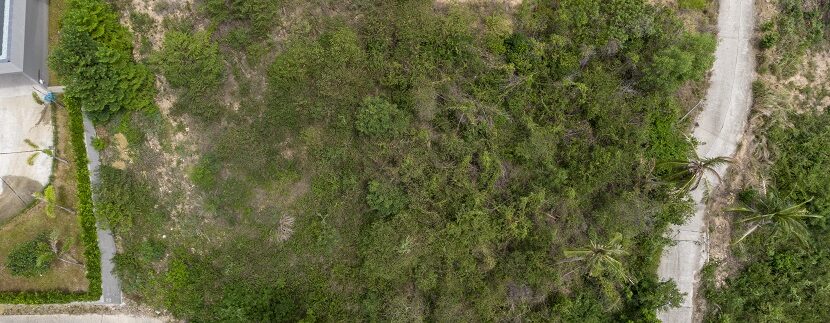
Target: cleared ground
{"type": "Point", "coordinates": [21, 118]}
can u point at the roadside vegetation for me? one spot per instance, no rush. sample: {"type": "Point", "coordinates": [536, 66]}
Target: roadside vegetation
{"type": "Point", "coordinates": [394, 161]}
{"type": "Point", "coordinates": [779, 270]}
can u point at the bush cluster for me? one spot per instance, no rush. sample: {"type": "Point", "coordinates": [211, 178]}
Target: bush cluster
{"type": "Point", "coordinates": [32, 258]}
{"type": "Point", "coordinates": [191, 65]}
{"type": "Point", "coordinates": [94, 60]}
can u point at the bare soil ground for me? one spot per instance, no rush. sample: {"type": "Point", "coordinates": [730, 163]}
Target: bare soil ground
{"type": "Point", "coordinates": [129, 308]}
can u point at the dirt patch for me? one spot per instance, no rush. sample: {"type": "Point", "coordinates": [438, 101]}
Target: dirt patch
{"type": "Point", "coordinates": [122, 147]}
{"type": "Point", "coordinates": [130, 308]}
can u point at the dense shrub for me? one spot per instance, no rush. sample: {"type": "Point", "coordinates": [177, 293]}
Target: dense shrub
{"type": "Point", "coordinates": [799, 26]}
{"type": "Point", "coordinates": [385, 199]}
{"type": "Point", "coordinates": [94, 60]}
{"type": "Point", "coordinates": [675, 64]}
{"type": "Point", "coordinates": [205, 173]}
{"type": "Point", "coordinates": [190, 62]}
{"type": "Point", "coordinates": [379, 118]}
{"type": "Point", "coordinates": [692, 4]}
{"type": "Point", "coordinates": [32, 258]}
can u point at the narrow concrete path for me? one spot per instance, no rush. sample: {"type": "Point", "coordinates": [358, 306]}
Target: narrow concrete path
{"type": "Point", "coordinates": [111, 286]}
{"type": "Point", "coordinates": [720, 127]}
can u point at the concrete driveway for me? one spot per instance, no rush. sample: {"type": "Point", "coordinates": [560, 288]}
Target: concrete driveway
{"type": "Point", "coordinates": [21, 118]}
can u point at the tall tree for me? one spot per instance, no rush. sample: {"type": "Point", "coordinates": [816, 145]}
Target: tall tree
{"type": "Point", "coordinates": [688, 173]}
{"type": "Point", "coordinates": [770, 210]}
{"type": "Point", "coordinates": [602, 258]}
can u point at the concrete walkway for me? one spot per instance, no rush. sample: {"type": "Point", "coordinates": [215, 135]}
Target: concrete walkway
{"type": "Point", "coordinates": [87, 318]}
{"type": "Point", "coordinates": [111, 286]}
{"type": "Point", "coordinates": [720, 127]}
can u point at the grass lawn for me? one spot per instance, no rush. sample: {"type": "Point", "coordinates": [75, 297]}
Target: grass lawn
{"type": "Point", "coordinates": [64, 274]}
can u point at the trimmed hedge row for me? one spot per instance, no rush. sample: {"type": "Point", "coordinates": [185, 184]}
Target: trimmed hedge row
{"type": "Point", "coordinates": [88, 230]}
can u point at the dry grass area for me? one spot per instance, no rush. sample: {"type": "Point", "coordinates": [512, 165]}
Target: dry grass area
{"type": "Point", "coordinates": [24, 227]}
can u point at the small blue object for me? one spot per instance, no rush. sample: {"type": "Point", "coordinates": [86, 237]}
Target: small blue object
{"type": "Point", "coordinates": [49, 97]}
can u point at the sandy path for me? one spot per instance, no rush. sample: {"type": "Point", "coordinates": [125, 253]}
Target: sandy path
{"type": "Point", "coordinates": [720, 127]}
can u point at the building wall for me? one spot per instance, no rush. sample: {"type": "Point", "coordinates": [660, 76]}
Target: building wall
{"type": "Point", "coordinates": [36, 43]}
{"type": "Point", "coordinates": [28, 44]}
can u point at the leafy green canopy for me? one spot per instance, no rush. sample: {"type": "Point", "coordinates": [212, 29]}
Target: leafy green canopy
{"type": "Point", "coordinates": [94, 61]}
{"type": "Point", "coordinates": [440, 161]}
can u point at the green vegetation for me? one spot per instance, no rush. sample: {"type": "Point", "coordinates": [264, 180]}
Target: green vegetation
{"type": "Point", "coordinates": [691, 171]}
{"type": "Point", "coordinates": [602, 259]}
{"type": "Point", "coordinates": [769, 210]}
{"type": "Point", "coordinates": [191, 64]}
{"type": "Point", "coordinates": [783, 276]}
{"type": "Point", "coordinates": [32, 258]}
{"type": "Point", "coordinates": [70, 233]}
{"type": "Point", "coordinates": [786, 38]}
{"type": "Point", "coordinates": [405, 161]}
{"type": "Point", "coordinates": [93, 59]}
{"type": "Point", "coordinates": [692, 4]}
{"type": "Point", "coordinates": [783, 255]}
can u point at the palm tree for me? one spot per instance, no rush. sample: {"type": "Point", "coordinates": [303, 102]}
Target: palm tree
{"type": "Point", "coordinates": [602, 258]}
{"type": "Point", "coordinates": [690, 172]}
{"type": "Point", "coordinates": [773, 211]}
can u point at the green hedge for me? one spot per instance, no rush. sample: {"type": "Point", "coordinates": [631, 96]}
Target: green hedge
{"type": "Point", "coordinates": [88, 230]}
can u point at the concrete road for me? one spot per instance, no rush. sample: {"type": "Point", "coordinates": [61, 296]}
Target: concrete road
{"type": "Point", "coordinates": [21, 118]}
{"type": "Point", "coordinates": [87, 318]}
{"type": "Point", "coordinates": [111, 285]}
{"type": "Point", "coordinates": [720, 127]}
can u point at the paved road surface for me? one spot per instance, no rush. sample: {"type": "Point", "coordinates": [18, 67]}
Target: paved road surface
{"type": "Point", "coordinates": [721, 125]}
{"type": "Point", "coordinates": [111, 285]}
{"type": "Point", "coordinates": [87, 318]}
